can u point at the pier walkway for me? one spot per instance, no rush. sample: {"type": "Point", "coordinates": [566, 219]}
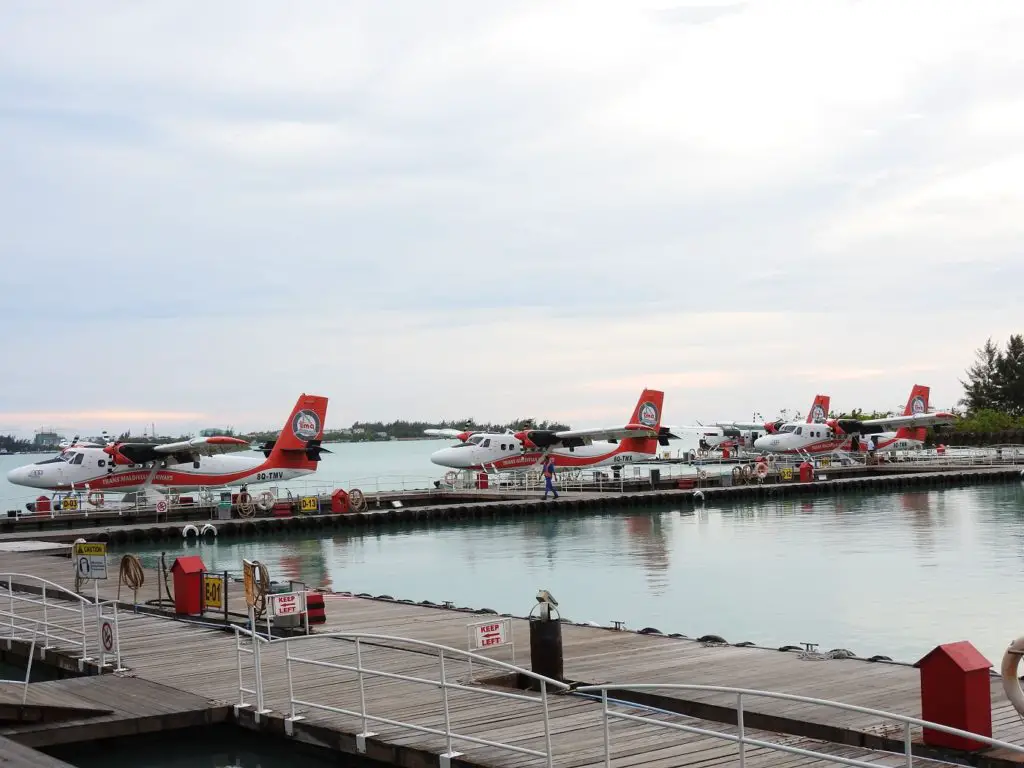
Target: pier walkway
{"type": "Point", "coordinates": [420, 679]}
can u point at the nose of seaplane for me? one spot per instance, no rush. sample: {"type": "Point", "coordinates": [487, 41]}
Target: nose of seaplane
{"type": "Point", "coordinates": [450, 457]}
{"type": "Point", "coordinates": [761, 444]}
{"type": "Point", "coordinates": [20, 476]}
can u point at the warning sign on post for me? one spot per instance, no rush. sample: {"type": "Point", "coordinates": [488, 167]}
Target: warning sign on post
{"type": "Point", "coordinates": [90, 559]}
{"type": "Point", "coordinates": [287, 604]}
{"type": "Point", "coordinates": [490, 634]}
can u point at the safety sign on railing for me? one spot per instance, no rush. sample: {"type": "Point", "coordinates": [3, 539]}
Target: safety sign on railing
{"type": "Point", "coordinates": [490, 634]}
{"type": "Point", "coordinates": [90, 559]}
{"type": "Point", "coordinates": [287, 603]}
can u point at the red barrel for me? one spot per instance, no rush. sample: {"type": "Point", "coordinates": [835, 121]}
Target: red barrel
{"type": "Point", "coordinates": [315, 611]}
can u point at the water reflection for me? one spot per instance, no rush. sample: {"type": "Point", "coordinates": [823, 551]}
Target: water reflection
{"type": "Point", "coordinates": [859, 571]}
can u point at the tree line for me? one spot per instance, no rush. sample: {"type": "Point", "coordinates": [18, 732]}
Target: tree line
{"type": "Point", "coordinates": [994, 388]}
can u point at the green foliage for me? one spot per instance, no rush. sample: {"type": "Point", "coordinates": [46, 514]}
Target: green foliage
{"type": "Point", "coordinates": [988, 420]}
{"type": "Point", "coordinates": [995, 383]}
{"type": "Point", "coordinates": [372, 431]}
{"type": "Point", "coordinates": [12, 444]}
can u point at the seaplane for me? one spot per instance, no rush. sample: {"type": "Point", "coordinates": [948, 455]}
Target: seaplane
{"type": "Point", "coordinates": [638, 439]}
{"type": "Point", "coordinates": [886, 434]}
{"type": "Point", "coordinates": [741, 435]}
{"type": "Point", "coordinates": [184, 465]}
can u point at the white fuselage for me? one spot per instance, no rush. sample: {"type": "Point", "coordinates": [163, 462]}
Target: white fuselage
{"type": "Point", "coordinates": [504, 452]}
{"type": "Point", "coordinates": [817, 439]}
{"type": "Point", "coordinates": [93, 468]}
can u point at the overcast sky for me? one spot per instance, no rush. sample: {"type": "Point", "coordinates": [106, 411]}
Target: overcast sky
{"type": "Point", "coordinates": [448, 209]}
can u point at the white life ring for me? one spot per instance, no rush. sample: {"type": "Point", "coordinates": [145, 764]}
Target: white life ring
{"type": "Point", "coordinates": [95, 498]}
{"type": "Point", "coordinates": [208, 529]}
{"type": "Point", "coordinates": [265, 501]}
{"type": "Point", "coordinates": [1008, 671]}
{"type": "Point", "coordinates": [206, 495]}
{"type": "Point", "coordinates": [189, 530]}
{"type": "Point", "coordinates": [702, 474]}
{"type": "Point", "coordinates": [450, 477]}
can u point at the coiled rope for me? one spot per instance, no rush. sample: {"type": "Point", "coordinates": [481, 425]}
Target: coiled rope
{"type": "Point", "coordinates": [132, 575]}
{"type": "Point", "coordinates": [245, 506]}
{"type": "Point", "coordinates": [256, 578]}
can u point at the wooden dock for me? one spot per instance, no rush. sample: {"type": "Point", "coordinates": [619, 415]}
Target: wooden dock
{"type": "Point", "coordinates": [99, 707]}
{"type": "Point", "coordinates": [201, 660]}
{"type": "Point", "coordinates": [14, 755]}
{"type": "Point", "coordinates": [484, 504]}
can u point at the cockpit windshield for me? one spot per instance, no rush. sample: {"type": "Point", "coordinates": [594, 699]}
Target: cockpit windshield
{"type": "Point", "coordinates": [788, 428]}
{"type": "Point", "coordinates": [475, 440]}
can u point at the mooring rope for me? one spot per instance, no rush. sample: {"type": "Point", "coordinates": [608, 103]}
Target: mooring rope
{"type": "Point", "coordinates": [132, 575]}
{"type": "Point", "coordinates": [256, 578]}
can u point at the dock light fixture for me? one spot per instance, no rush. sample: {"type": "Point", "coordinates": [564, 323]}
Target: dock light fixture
{"type": "Point", "coordinates": [545, 603]}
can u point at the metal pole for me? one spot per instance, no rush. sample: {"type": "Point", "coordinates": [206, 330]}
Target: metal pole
{"type": "Point", "coordinates": [99, 623]}
{"type": "Point", "coordinates": [238, 659]}
{"type": "Point", "coordinates": [607, 735]}
{"type": "Point", "coordinates": [739, 728]}
{"type": "Point", "coordinates": [117, 638]}
{"type": "Point", "coordinates": [226, 619]}
{"type": "Point", "coordinates": [288, 665]}
{"type": "Point", "coordinates": [10, 591]}
{"type": "Point", "coordinates": [907, 745]}
{"type": "Point", "coordinates": [46, 621]}
{"type": "Point", "coordinates": [547, 722]}
{"type": "Point", "coordinates": [362, 689]}
{"type": "Point", "coordinates": [444, 697]}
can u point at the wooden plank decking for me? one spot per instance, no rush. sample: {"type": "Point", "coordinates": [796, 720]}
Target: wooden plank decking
{"type": "Point", "coordinates": [14, 755]}
{"type": "Point", "coordinates": [199, 661]}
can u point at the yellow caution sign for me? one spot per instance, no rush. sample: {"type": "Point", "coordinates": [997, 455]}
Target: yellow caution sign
{"type": "Point", "coordinates": [90, 549]}
{"type": "Point", "coordinates": [309, 504]}
{"type": "Point", "coordinates": [69, 502]}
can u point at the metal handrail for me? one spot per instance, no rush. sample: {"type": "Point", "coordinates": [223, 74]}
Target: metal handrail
{"type": "Point", "coordinates": [358, 638]}
{"type": "Point", "coordinates": [54, 596]}
{"type": "Point", "coordinates": [742, 741]}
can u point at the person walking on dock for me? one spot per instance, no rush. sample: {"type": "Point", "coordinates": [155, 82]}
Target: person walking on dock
{"type": "Point", "coordinates": [549, 477]}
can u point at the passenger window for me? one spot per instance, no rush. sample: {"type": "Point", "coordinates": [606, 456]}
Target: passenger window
{"type": "Point", "coordinates": [102, 463]}
{"type": "Point", "coordinates": [503, 446]}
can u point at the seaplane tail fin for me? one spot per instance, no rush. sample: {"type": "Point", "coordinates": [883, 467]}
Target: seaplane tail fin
{"type": "Point", "coordinates": [917, 404]}
{"type": "Point", "coordinates": [298, 445]}
{"type": "Point", "coordinates": [647, 412]}
{"type": "Point", "coordinates": [819, 409]}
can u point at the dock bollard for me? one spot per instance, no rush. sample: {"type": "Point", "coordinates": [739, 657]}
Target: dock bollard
{"type": "Point", "coordinates": [546, 638]}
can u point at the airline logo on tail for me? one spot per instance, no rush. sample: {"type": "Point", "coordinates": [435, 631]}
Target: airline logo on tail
{"type": "Point", "coordinates": [918, 405]}
{"type": "Point", "coordinates": [647, 414]}
{"type": "Point", "coordinates": [306, 425]}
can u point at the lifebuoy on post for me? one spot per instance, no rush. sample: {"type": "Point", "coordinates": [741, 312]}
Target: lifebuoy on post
{"type": "Point", "coordinates": [762, 470]}
{"type": "Point", "coordinates": [702, 474]}
{"type": "Point", "coordinates": [266, 501]}
{"type": "Point", "coordinates": [95, 498]}
{"type": "Point", "coordinates": [450, 477]}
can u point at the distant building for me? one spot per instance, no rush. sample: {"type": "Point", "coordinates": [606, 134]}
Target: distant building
{"type": "Point", "coordinates": [47, 439]}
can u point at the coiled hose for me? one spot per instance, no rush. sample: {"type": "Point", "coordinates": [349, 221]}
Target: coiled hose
{"type": "Point", "coordinates": [132, 575]}
{"type": "Point", "coordinates": [256, 578]}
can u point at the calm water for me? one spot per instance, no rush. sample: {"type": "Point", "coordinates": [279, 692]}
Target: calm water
{"type": "Point", "coordinates": [890, 574]}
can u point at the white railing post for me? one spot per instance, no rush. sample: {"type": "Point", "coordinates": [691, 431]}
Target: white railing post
{"type": "Point", "coordinates": [46, 622]}
{"type": "Point", "coordinates": [85, 634]}
{"type": "Point", "coordinates": [291, 685]}
{"type": "Point", "coordinates": [607, 732]}
{"type": "Point", "coordinates": [908, 745]}
{"type": "Point", "coordinates": [444, 698]}
{"type": "Point", "coordinates": [238, 658]}
{"type": "Point", "coordinates": [547, 723]}
{"type": "Point", "coordinates": [117, 639]}
{"type": "Point", "coordinates": [10, 591]}
{"type": "Point", "coordinates": [739, 729]}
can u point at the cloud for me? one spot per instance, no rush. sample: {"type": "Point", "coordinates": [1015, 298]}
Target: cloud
{"type": "Point", "coordinates": [504, 209]}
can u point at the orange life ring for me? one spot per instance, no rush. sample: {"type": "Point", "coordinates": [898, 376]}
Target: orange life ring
{"type": "Point", "coordinates": [95, 498]}
{"type": "Point", "coordinates": [762, 469]}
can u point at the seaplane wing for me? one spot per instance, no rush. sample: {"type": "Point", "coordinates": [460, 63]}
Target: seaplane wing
{"type": "Point", "coordinates": [586, 436]}
{"type": "Point", "coordinates": [203, 446]}
{"type": "Point", "coordinates": [443, 432]}
{"type": "Point", "coordinates": [911, 420]}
